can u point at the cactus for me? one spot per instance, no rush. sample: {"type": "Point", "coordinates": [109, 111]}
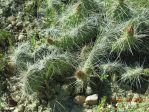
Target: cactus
{"type": "Point", "coordinates": [137, 5]}
{"type": "Point", "coordinates": [71, 16]}
{"type": "Point", "coordinates": [79, 35]}
{"type": "Point", "coordinates": [134, 76]}
{"type": "Point", "coordinates": [49, 64]}
{"type": "Point", "coordinates": [110, 31]}
{"type": "Point", "coordinates": [132, 36]}
{"type": "Point", "coordinates": [42, 51]}
{"type": "Point", "coordinates": [122, 12]}
{"type": "Point", "coordinates": [98, 53]}
{"type": "Point", "coordinates": [53, 9]}
{"type": "Point", "coordinates": [76, 26]}
{"type": "Point", "coordinates": [78, 11]}
{"type": "Point", "coordinates": [85, 51]}
{"type": "Point", "coordinates": [21, 56]}
{"type": "Point", "coordinates": [127, 42]}
{"type": "Point", "coordinates": [111, 68]}
{"type": "Point", "coordinates": [31, 80]}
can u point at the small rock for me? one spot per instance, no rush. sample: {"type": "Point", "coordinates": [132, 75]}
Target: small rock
{"type": "Point", "coordinates": [11, 18]}
{"type": "Point", "coordinates": [92, 99]}
{"type": "Point", "coordinates": [11, 67]}
{"type": "Point", "coordinates": [79, 99]}
{"type": "Point", "coordinates": [109, 106]}
{"type": "Point", "coordinates": [21, 37]}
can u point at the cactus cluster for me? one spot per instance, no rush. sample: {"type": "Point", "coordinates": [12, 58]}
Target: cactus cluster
{"type": "Point", "coordinates": [122, 36]}
{"type": "Point", "coordinates": [40, 64]}
{"type": "Point", "coordinates": [77, 25]}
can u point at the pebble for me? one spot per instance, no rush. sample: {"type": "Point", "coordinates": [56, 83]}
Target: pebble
{"type": "Point", "coordinates": [11, 67]}
{"type": "Point", "coordinates": [21, 37]}
{"type": "Point", "coordinates": [79, 99]}
{"type": "Point", "coordinates": [92, 99]}
{"type": "Point", "coordinates": [11, 18]}
{"type": "Point", "coordinates": [109, 106]}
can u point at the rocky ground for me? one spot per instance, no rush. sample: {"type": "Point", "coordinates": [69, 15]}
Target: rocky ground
{"type": "Point", "coordinates": [20, 19]}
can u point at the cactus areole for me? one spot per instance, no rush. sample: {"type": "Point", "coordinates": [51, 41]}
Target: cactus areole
{"type": "Point", "coordinates": [130, 31]}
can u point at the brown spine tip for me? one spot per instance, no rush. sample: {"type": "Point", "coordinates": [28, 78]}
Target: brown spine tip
{"type": "Point", "coordinates": [130, 30]}
{"type": "Point", "coordinates": [80, 74]}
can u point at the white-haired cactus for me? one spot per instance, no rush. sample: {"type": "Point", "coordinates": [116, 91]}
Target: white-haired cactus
{"type": "Point", "coordinates": [21, 56]}
{"type": "Point", "coordinates": [113, 33]}
{"type": "Point", "coordinates": [43, 50]}
{"type": "Point", "coordinates": [111, 68]}
{"type": "Point", "coordinates": [76, 26]}
{"type": "Point", "coordinates": [122, 12]}
{"type": "Point", "coordinates": [79, 35]}
{"type": "Point", "coordinates": [132, 36]}
{"type": "Point", "coordinates": [50, 64]}
{"type": "Point", "coordinates": [32, 79]}
{"type": "Point", "coordinates": [127, 42]}
{"type": "Point", "coordinates": [134, 76]}
{"type": "Point", "coordinates": [98, 53]}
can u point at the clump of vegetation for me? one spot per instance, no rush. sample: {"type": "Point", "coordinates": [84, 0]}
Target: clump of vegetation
{"type": "Point", "coordinates": [37, 66]}
{"type": "Point", "coordinates": [127, 42]}
{"type": "Point", "coordinates": [111, 68]}
{"type": "Point", "coordinates": [21, 56]}
{"type": "Point", "coordinates": [76, 25]}
{"type": "Point", "coordinates": [83, 45]}
{"type": "Point", "coordinates": [134, 76]}
{"type": "Point", "coordinates": [122, 12]}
